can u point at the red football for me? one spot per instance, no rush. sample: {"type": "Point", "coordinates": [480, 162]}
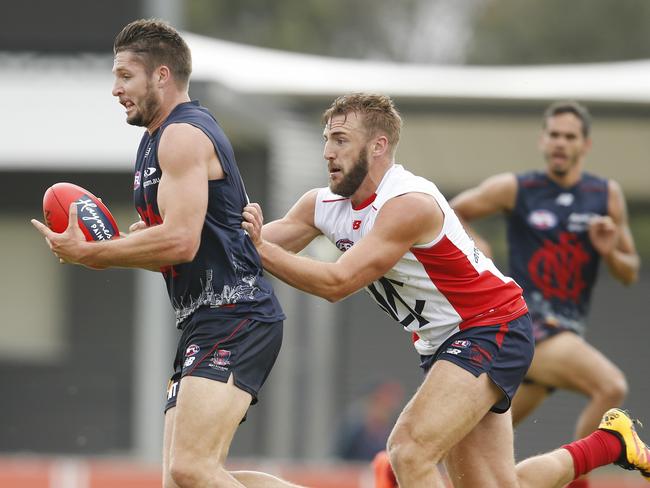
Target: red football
{"type": "Point", "coordinates": [94, 218]}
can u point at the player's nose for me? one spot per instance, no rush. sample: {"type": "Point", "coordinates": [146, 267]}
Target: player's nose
{"type": "Point", "coordinates": [117, 89]}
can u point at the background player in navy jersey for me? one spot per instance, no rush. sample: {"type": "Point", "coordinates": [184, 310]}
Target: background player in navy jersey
{"type": "Point", "coordinates": [404, 244]}
{"type": "Point", "coordinates": [189, 195]}
{"type": "Point", "coordinates": [561, 223]}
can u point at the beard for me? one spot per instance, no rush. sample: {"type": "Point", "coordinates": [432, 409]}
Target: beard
{"type": "Point", "coordinates": [351, 181]}
{"type": "Point", "coordinates": [563, 169]}
{"type": "Point", "coordinates": [148, 108]}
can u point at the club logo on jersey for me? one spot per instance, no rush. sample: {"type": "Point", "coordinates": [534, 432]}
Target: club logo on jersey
{"type": "Point", "coordinates": [136, 180]}
{"type": "Point", "coordinates": [344, 244]}
{"type": "Point", "coordinates": [356, 224]}
{"type": "Point", "coordinates": [192, 350]}
{"type": "Point", "coordinates": [556, 268]}
{"type": "Point", "coordinates": [565, 199]}
{"type": "Point", "coordinates": [220, 360]}
{"type": "Point", "coordinates": [463, 343]}
{"type": "Point", "coordinates": [542, 219]}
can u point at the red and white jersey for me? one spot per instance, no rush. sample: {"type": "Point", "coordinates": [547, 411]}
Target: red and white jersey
{"type": "Point", "coordinates": [437, 288]}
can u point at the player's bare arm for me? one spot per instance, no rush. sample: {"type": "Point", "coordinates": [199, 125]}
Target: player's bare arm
{"type": "Point", "coordinates": [612, 238]}
{"type": "Point", "coordinates": [496, 194]}
{"type": "Point", "coordinates": [185, 154]}
{"type": "Point", "coordinates": [296, 229]}
{"type": "Point", "coordinates": [403, 222]}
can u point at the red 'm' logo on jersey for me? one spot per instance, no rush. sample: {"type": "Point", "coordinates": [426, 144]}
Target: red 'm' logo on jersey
{"type": "Point", "coordinates": [356, 224]}
{"type": "Point", "coordinates": [556, 269]}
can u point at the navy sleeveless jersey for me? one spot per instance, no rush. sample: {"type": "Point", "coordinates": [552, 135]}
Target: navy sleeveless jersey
{"type": "Point", "coordinates": [551, 256]}
{"type": "Point", "coordinates": [225, 277]}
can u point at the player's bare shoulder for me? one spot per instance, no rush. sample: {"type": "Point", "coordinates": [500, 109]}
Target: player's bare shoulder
{"type": "Point", "coordinates": [501, 189]}
{"type": "Point", "coordinates": [414, 216]}
{"type": "Point", "coordinates": [303, 210]}
{"type": "Point", "coordinates": [185, 144]}
{"type": "Point", "coordinates": [495, 194]}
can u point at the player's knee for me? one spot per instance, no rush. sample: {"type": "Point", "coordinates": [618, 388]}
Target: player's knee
{"type": "Point", "coordinates": [183, 474]}
{"type": "Point", "coordinates": [616, 389]}
{"type": "Point", "coordinates": [187, 472]}
{"type": "Point", "coordinates": [410, 452]}
{"type": "Point", "coordinates": [611, 389]}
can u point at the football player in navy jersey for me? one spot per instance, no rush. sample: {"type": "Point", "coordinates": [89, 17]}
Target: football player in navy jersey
{"type": "Point", "coordinates": [561, 223]}
{"type": "Point", "coordinates": [403, 243]}
{"type": "Point", "coordinates": [189, 195]}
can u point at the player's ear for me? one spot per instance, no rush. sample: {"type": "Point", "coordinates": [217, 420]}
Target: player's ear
{"type": "Point", "coordinates": [379, 146]}
{"type": "Point", "coordinates": [164, 74]}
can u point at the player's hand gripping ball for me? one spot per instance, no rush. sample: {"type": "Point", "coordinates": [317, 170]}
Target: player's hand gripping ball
{"type": "Point", "coordinates": [95, 220]}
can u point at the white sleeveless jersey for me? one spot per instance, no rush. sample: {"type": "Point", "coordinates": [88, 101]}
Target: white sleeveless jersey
{"type": "Point", "coordinates": [435, 289]}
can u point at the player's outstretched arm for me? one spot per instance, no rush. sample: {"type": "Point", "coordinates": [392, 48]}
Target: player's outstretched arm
{"type": "Point", "coordinates": [296, 229]}
{"type": "Point", "coordinates": [612, 238]}
{"type": "Point", "coordinates": [496, 194]}
{"type": "Point", "coordinates": [184, 154]}
{"type": "Point", "coordinates": [404, 221]}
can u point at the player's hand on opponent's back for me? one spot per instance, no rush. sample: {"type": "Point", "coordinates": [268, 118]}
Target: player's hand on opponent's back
{"type": "Point", "coordinates": [604, 234]}
{"type": "Point", "coordinates": [253, 222]}
{"type": "Point", "coordinates": [68, 246]}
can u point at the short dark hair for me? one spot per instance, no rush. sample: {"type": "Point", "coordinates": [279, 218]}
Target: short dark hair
{"type": "Point", "coordinates": [569, 107]}
{"type": "Point", "coordinates": [379, 113]}
{"type": "Point", "coordinates": [156, 43]}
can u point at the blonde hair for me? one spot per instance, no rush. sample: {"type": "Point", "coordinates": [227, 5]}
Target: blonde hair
{"type": "Point", "coordinates": [378, 111]}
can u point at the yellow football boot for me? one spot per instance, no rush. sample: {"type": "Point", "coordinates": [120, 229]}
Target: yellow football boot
{"type": "Point", "coordinates": [636, 454]}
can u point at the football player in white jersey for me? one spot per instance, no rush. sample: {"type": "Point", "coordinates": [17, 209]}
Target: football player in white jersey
{"type": "Point", "coordinates": [404, 244]}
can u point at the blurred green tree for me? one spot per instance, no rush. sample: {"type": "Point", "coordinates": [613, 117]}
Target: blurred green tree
{"type": "Point", "coordinates": [560, 31]}
{"type": "Point", "coordinates": [404, 30]}
{"type": "Point", "coordinates": [434, 31]}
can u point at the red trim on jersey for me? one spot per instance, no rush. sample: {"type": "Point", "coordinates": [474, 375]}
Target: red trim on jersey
{"type": "Point", "coordinates": [533, 183]}
{"type": "Point", "coordinates": [365, 203]}
{"type": "Point", "coordinates": [591, 187]}
{"type": "Point", "coordinates": [335, 200]}
{"type": "Point", "coordinates": [479, 298]}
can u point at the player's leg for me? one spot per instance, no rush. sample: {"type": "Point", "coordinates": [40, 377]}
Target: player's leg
{"type": "Point", "coordinates": [223, 364]}
{"type": "Point", "coordinates": [448, 405]}
{"type": "Point", "coordinates": [205, 419]}
{"type": "Point", "coordinates": [250, 479]}
{"type": "Point", "coordinates": [485, 456]}
{"type": "Point", "coordinates": [567, 361]}
{"type": "Point", "coordinates": [615, 441]}
{"type": "Point", "coordinates": [168, 482]}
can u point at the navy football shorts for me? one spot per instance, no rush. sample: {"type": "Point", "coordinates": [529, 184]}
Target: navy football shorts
{"type": "Point", "coordinates": [216, 347]}
{"type": "Point", "coordinates": [504, 352]}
